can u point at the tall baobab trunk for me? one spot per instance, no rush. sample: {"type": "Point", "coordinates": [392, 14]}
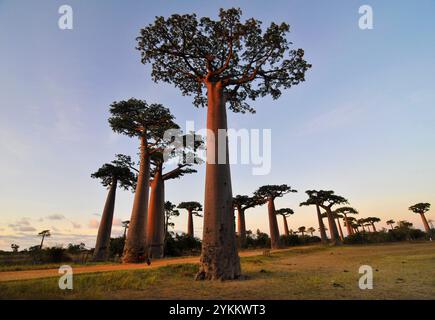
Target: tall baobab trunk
{"type": "Point", "coordinates": [156, 217]}
{"type": "Point", "coordinates": [374, 228]}
{"type": "Point", "coordinates": [190, 224]}
{"type": "Point", "coordinates": [321, 226]}
{"type": "Point", "coordinates": [135, 246]}
{"type": "Point", "coordinates": [102, 247]}
{"type": "Point", "coordinates": [219, 257]}
{"type": "Point", "coordinates": [348, 226]}
{"type": "Point", "coordinates": [335, 238]}
{"type": "Point", "coordinates": [339, 228]}
{"type": "Point", "coordinates": [286, 231]}
{"type": "Point", "coordinates": [364, 229]}
{"type": "Point", "coordinates": [425, 223]}
{"type": "Point", "coordinates": [273, 225]}
{"type": "Point", "coordinates": [42, 242]}
{"type": "Point", "coordinates": [241, 226]}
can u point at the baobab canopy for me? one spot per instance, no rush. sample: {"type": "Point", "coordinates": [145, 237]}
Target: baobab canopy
{"type": "Point", "coordinates": [188, 51]}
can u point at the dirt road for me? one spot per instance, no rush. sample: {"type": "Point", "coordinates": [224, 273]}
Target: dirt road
{"type": "Point", "coordinates": [47, 273]}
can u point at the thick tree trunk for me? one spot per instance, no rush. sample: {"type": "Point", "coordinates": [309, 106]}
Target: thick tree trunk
{"type": "Point", "coordinates": [339, 228]}
{"type": "Point", "coordinates": [425, 223]}
{"type": "Point", "coordinates": [335, 238]}
{"type": "Point", "coordinates": [273, 225]}
{"type": "Point", "coordinates": [241, 227]}
{"type": "Point", "coordinates": [348, 226]}
{"type": "Point", "coordinates": [102, 247]}
{"type": "Point", "coordinates": [321, 226]}
{"type": "Point", "coordinates": [156, 217]}
{"type": "Point", "coordinates": [135, 244]}
{"type": "Point", "coordinates": [219, 257]}
{"type": "Point", "coordinates": [190, 224]}
{"type": "Point", "coordinates": [286, 230]}
{"type": "Point", "coordinates": [374, 228]}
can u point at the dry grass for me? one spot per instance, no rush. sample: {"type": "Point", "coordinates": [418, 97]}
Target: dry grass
{"type": "Point", "coordinates": [401, 271]}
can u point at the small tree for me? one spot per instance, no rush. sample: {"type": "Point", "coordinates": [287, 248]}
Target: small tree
{"type": "Point", "coordinates": [234, 61]}
{"type": "Point", "coordinates": [170, 212]}
{"type": "Point", "coordinates": [268, 194]}
{"type": "Point", "coordinates": [326, 200]}
{"type": "Point", "coordinates": [372, 221]}
{"type": "Point", "coordinates": [15, 247]}
{"type": "Point", "coordinates": [125, 226]}
{"type": "Point", "coordinates": [114, 174]}
{"type": "Point", "coordinates": [242, 203]}
{"type": "Point", "coordinates": [311, 230]}
{"type": "Point", "coordinates": [421, 209]}
{"type": "Point", "coordinates": [192, 208]}
{"type": "Point", "coordinates": [43, 234]}
{"type": "Point", "coordinates": [313, 200]}
{"type": "Point", "coordinates": [148, 122]}
{"type": "Point", "coordinates": [285, 212]}
{"type": "Point", "coordinates": [390, 223]}
{"type": "Point", "coordinates": [302, 230]}
{"type": "Point", "coordinates": [345, 211]}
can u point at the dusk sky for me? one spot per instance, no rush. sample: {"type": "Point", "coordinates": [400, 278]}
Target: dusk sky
{"type": "Point", "coordinates": [363, 123]}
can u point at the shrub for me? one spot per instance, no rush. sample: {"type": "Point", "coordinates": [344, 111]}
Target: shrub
{"type": "Point", "coordinates": [181, 244]}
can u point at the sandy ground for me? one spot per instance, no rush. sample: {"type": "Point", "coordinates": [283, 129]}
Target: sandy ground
{"type": "Point", "coordinates": [48, 273]}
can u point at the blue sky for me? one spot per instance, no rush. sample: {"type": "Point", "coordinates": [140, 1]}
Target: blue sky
{"type": "Point", "coordinates": [362, 124]}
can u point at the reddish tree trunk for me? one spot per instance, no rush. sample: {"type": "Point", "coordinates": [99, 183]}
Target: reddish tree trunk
{"type": "Point", "coordinates": [241, 226]}
{"type": "Point", "coordinates": [156, 217]}
{"type": "Point", "coordinates": [321, 226]}
{"type": "Point", "coordinates": [339, 228]}
{"type": "Point", "coordinates": [348, 226]}
{"type": "Point", "coordinates": [190, 224]}
{"type": "Point", "coordinates": [425, 223]}
{"type": "Point", "coordinates": [273, 225]}
{"type": "Point", "coordinates": [219, 257]}
{"type": "Point", "coordinates": [102, 247]}
{"type": "Point", "coordinates": [135, 244]}
{"type": "Point", "coordinates": [335, 238]}
{"type": "Point", "coordinates": [286, 230]}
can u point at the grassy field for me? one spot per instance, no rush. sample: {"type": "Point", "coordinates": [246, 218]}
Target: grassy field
{"type": "Point", "coordinates": [401, 271]}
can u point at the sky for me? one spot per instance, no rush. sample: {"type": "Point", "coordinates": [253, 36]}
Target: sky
{"type": "Point", "coordinates": [362, 124]}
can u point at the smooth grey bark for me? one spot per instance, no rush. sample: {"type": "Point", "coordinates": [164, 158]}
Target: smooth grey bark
{"type": "Point", "coordinates": [102, 246]}
{"type": "Point", "coordinates": [219, 257]}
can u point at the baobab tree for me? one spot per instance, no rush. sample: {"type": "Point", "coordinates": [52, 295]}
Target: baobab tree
{"type": "Point", "coordinates": [114, 174]}
{"type": "Point", "coordinates": [345, 211]}
{"type": "Point", "coordinates": [326, 200]}
{"type": "Point", "coordinates": [311, 230]}
{"type": "Point", "coordinates": [421, 209]}
{"type": "Point", "coordinates": [285, 212]}
{"type": "Point", "coordinates": [15, 247]}
{"type": "Point", "coordinates": [268, 194]}
{"type": "Point", "coordinates": [372, 221]}
{"type": "Point", "coordinates": [242, 203]}
{"type": "Point", "coordinates": [302, 230]}
{"type": "Point", "coordinates": [125, 224]}
{"type": "Point", "coordinates": [338, 216]}
{"type": "Point", "coordinates": [156, 212]}
{"type": "Point", "coordinates": [170, 212]}
{"type": "Point", "coordinates": [43, 234]}
{"type": "Point", "coordinates": [148, 122]}
{"type": "Point", "coordinates": [314, 200]}
{"type": "Point", "coordinates": [362, 222]}
{"type": "Point", "coordinates": [234, 61]}
{"type": "Point", "coordinates": [193, 209]}
{"type": "Point", "coordinates": [390, 223]}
